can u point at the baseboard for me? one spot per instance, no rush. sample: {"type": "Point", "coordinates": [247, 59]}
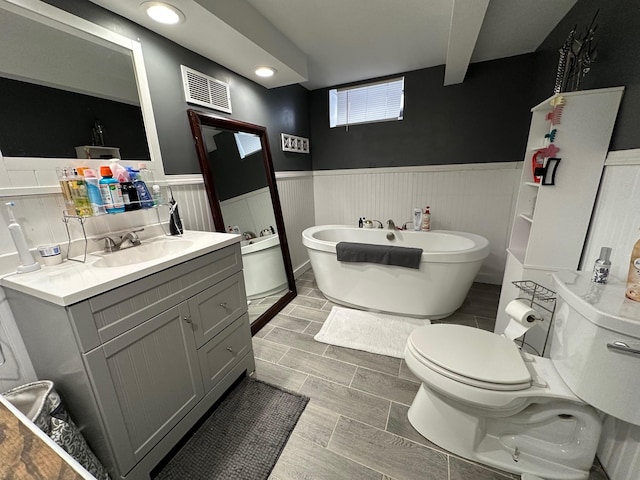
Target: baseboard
{"type": "Point", "coordinates": [299, 270]}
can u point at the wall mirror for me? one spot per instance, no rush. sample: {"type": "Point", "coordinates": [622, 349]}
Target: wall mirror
{"type": "Point", "coordinates": [235, 160]}
{"type": "Point", "coordinates": [85, 62]}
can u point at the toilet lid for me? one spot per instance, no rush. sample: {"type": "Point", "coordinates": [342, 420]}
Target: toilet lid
{"type": "Point", "coordinates": [481, 356]}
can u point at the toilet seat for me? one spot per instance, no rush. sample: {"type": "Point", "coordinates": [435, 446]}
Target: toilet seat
{"type": "Point", "coordinates": [471, 356]}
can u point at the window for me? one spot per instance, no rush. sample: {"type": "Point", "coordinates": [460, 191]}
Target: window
{"type": "Point", "coordinates": [248, 143]}
{"type": "Point", "coordinates": [373, 102]}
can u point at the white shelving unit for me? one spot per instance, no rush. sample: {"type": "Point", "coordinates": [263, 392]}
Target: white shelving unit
{"type": "Point", "coordinates": [551, 221]}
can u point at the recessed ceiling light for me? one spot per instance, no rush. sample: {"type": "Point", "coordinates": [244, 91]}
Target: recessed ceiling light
{"type": "Point", "coordinates": [163, 12]}
{"type": "Point", "coordinates": [265, 71]}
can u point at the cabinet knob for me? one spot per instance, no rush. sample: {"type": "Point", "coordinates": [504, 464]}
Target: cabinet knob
{"type": "Point", "coordinates": [229, 349]}
{"type": "Point", "coordinates": [187, 319]}
{"type": "Point", "coordinates": [223, 305]}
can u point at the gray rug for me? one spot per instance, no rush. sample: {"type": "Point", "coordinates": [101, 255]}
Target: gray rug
{"type": "Point", "coordinates": [242, 438]}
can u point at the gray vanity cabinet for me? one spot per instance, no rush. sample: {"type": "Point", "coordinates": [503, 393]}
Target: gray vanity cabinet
{"type": "Point", "coordinates": [140, 364]}
{"type": "Point", "coordinates": [147, 379]}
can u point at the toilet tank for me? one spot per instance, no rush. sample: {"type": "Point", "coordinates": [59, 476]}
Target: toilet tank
{"type": "Point", "coordinates": [595, 344]}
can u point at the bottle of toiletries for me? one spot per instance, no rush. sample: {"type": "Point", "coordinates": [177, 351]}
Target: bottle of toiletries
{"type": "Point", "coordinates": [601, 266]}
{"type": "Point", "coordinates": [146, 200]}
{"type": "Point", "coordinates": [156, 193]}
{"type": "Point", "coordinates": [426, 220]}
{"type": "Point", "coordinates": [417, 219]}
{"type": "Point", "coordinates": [129, 190]}
{"type": "Point", "coordinates": [633, 279]}
{"type": "Point", "coordinates": [93, 189]}
{"type": "Point", "coordinates": [360, 223]}
{"type": "Point", "coordinates": [79, 194]}
{"type": "Point", "coordinates": [111, 191]}
{"type": "Point", "coordinates": [64, 179]}
{"type": "Point", "coordinates": [147, 177]}
{"type": "Point", "coordinates": [28, 263]}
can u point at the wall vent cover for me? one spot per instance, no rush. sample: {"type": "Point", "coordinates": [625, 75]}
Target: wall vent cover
{"type": "Point", "coordinates": [204, 90]}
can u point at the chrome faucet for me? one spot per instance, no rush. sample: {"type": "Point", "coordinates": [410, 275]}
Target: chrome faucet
{"type": "Point", "coordinates": [111, 245]}
{"type": "Point", "coordinates": [379, 222]}
{"type": "Point", "coordinates": [404, 225]}
{"type": "Point", "coordinates": [391, 225]}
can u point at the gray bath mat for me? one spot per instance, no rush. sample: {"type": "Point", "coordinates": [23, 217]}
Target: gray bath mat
{"type": "Point", "coordinates": [242, 438]}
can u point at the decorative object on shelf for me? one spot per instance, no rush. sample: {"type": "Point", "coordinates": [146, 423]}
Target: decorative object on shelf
{"type": "Point", "coordinates": [555, 115]}
{"type": "Point", "coordinates": [548, 173]}
{"type": "Point", "coordinates": [537, 161]}
{"type": "Point", "coordinates": [540, 297]}
{"type": "Point", "coordinates": [552, 135]}
{"type": "Point", "coordinates": [576, 56]}
{"type": "Point", "coordinates": [291, 143]}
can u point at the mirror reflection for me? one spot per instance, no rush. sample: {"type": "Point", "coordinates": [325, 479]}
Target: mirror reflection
{"type": "Point", "coordinates": [238, 174]}
{"type": "Point", "coordinates": [65, 90]}
{"type": "Point", "coordinates": [237, 165]}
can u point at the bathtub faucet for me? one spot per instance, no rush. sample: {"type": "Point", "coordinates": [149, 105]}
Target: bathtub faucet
{"type": "Point", "coordinates": [391, 225]}
{"type": "Point", "coordinates": [379, 223]}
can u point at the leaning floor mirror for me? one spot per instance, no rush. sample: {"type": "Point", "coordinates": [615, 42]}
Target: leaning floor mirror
{"type": "Point", "coordinates": [237, 168]}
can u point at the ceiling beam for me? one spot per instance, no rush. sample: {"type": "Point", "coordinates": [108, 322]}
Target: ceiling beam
{"type": "Point", "coordinates": [466, 20]}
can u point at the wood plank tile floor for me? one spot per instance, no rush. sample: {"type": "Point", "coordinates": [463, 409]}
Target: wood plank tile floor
{"type": "Point", "coordinates": [356, 426]}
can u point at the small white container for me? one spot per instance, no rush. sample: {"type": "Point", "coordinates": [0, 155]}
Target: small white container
{"type": "Point", "coordinates": [50, 254]}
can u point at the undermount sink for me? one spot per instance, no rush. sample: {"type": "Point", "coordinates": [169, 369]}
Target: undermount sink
{"type": "Point", "coordinates": [145, 252]}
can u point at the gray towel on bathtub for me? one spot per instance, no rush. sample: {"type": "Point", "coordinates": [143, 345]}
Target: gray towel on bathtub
{"type": "Point", "coordinates": [384, 254]}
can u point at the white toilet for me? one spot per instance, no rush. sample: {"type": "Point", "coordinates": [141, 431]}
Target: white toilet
{"type": "Point", "coordinates": [485, 400]}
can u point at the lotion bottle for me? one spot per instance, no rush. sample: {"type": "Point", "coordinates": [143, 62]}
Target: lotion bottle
{"type": "Point", "coordinates": [417, 219]}
{"type": "Point", "coordinates": [28, 263]}
{"type": "Point", "coordinates": [633, 279]}
{"type": "Point", "coordinates": [426, 220]}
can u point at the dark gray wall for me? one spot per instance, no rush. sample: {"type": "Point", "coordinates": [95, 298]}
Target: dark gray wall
{"type": "Point", "coordinates": [233, 175]}
{"type": "Point", "coordinates": [484, 119]}
{"type": "Point", "coordinates": [282, 109]}
{"type": "Point", "coordinates": [618, 62]}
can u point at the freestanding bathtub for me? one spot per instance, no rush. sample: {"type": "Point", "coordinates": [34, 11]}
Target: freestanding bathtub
{"type": "Point", "coordinates": [450, 262]}
{"type": "Point", "coordinates": [263, 266]}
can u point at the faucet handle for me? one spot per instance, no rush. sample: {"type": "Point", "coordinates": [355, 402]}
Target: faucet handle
{"type": "Point", "coordinates": [110, 244]}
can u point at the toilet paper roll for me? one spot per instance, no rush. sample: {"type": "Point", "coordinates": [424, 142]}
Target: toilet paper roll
{"type": "Point", "coordinates": [522, 318]}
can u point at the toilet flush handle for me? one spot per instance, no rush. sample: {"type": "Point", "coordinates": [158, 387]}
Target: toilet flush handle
{"type": "Point", "coordinates": [623, 347]}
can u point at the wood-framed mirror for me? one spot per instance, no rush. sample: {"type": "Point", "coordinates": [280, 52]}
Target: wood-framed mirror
{"type": "Point", "coordinates": [236, 164]}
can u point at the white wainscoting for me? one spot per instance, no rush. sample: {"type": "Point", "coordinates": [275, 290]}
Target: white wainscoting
{"type": "Point", "coordinates": [476, 198]}
{"type": "Point", "coordinates": [296, 197]}
{"type": "Point", "coordinates": [616, 224]}
{"type": "Point", "coordinates": [297, 200]}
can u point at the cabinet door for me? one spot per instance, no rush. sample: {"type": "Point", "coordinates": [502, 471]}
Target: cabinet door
{"type": "Point", "coordinates": [215, 308]}
{"type": "Point", "coordinates": [146, 380]}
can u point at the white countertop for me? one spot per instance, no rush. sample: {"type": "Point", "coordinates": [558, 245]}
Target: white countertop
{"type": "Point", "coordinates": [72, 282]}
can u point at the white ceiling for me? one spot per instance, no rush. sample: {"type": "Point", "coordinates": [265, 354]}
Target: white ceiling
{"type": "Point", "coordinates": [332, 42]}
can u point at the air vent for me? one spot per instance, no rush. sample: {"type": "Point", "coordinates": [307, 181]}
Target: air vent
{"type": "Point", "coordinates": [204, 90]}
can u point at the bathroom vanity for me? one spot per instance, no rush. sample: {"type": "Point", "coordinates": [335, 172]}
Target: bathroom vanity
{"type": "Point", "coordinates": [139, 351]}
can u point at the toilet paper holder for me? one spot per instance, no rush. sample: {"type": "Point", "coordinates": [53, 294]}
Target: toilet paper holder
{"type": "Point", "coordinates": [542, 298]}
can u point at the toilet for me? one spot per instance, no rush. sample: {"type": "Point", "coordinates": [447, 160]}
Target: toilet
{"type": "Point", "coordinates": [484, 399]}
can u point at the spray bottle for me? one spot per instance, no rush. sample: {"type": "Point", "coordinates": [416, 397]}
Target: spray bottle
{"type": "Point", "coordinates": [28, 263]}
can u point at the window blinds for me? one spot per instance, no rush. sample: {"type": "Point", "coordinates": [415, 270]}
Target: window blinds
{"type": "Point", "coordinates": [374, 102]}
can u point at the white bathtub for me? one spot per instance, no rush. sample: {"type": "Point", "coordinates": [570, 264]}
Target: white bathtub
{"type": "Point", "coordinates": [263, 265]}
{"type": "Point", "coordinates": [450, 262]}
